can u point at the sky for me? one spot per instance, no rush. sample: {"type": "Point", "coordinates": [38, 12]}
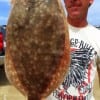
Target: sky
{"type": "Point", "coordinates": [93, 15]}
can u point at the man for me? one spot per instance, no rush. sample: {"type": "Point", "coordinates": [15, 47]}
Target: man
{"type": "Point", "coordinates": [85, 54]}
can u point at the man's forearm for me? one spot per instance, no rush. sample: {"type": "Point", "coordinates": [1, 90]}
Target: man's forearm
{"type": "Point", "coordinates": [98, 70]}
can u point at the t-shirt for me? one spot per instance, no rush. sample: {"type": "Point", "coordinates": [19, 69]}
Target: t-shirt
{"type": "Point", "coordinates": [85, 48]}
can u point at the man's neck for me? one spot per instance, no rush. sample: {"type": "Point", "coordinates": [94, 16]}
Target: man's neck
{"type": "Point", "coordinates": [77, 23]}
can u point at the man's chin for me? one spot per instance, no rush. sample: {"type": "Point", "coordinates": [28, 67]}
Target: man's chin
{"type": "Point", "coordinates": [74, 15]}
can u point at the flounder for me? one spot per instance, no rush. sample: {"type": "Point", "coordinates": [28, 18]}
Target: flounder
{"type": "Point", "coordinates": [38, 49]}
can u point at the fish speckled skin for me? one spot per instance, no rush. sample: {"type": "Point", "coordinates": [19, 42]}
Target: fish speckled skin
{"type": "Point", "coordinates": [38, 49]}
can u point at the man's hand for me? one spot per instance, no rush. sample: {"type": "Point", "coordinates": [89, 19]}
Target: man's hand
{"type": "Point", "coordinates": [98, 68]}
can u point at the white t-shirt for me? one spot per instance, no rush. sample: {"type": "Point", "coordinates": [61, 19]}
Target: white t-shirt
{"type": "Point", "coordinates": [85, 47]}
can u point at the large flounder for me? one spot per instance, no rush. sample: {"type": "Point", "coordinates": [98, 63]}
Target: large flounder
{"type": "Point", "coordinates": [38, 49]}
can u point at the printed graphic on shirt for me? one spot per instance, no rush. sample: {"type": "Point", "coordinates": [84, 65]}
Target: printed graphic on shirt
{"type": "Point", "coordinates": [82, 55]}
